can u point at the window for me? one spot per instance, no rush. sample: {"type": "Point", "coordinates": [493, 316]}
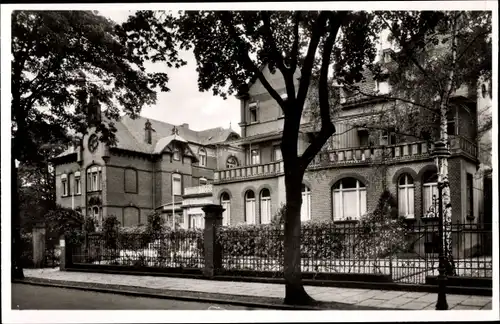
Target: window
{"type": "Point", "coordinates": [382, 87]}
{"type": "Point", "coordinates": [255, 156]}
{"type": "Point", "coordinates": [78, 184]}
{"type": "Point", "coordinates": [470, 196]}
{"type": "Point", "coordinates": [253, 112]}
{"type": "Point", "coordinates": [203, 181]}
{"type": "Point", "coordinates": [177, 153]}
{"type": "Point", "coordinates": [388, 137]}
{"type": "Point", "coordinates": [277, 153]}
{"type": "Point", "coordinates": [176, 184]}
{"type": "Point", "coordinates": [451, 122]}
{"type": "Point", "coordinates": [364, 138]}
{"type": "Point", "coordinates": [94, 176]}
{"type": "Point", "coordinates": [265, 206]}
{"type": "Point", "coordinates": [225, 201]}
{"type": "Point", "coordinates": [250, 207]}
{"type": "Point", "coordinates": [430, 189]}
{"type": "Point", "coordinates": [232, 162]}
{"type": "Point", "coordinates": [203, 157]}
{"type": "Point", "coordinates": [130, 180]}
{"type": "Point", "coordinates": [387, 57]}
{"type": "Point", "coordinates": [406, 194]}
{"type": "Point", "coordinates": [97, 216]}
{"type": "Point", "coordinates": [64, 182]}
{"type": "Point", "coordinates": [349, 199]}
{"type": "Point", "coordinates": [305, 209]}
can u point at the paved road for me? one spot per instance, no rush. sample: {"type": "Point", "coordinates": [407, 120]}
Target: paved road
{"type": "Point", "coordinates": [38, 297]}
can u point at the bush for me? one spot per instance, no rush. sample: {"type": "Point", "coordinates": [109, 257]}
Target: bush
{"type": "Point", "coordinates": [64, 221]}
{"type": "Point", "coordinates": [110, 229]}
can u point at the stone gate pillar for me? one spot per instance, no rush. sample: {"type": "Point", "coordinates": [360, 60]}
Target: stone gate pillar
{"type": "Point", "coordinates": [39, 245]}
{"type": "Point", "coordinates": [213, 253]}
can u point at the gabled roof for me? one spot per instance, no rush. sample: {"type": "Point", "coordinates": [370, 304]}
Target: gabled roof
{"type": "Point", "coordinates": [130, 135]}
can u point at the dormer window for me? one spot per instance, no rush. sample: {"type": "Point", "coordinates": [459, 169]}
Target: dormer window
{"type": "Point", "coordinates": [203, 157]}
{"type": "Point", "coordinates": [253, 112]}
{"type": "Point", "coordinates": [176, 153]}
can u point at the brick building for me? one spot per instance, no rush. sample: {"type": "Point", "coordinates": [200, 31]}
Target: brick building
{"type": "Point", "coordinates": [347, 178]}
{"type": "Point", "coordinates": [149, 168]}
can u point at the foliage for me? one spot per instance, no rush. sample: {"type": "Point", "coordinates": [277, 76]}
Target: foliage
{"type": "Point", "coordinates": [279, 216]}
{"type": "Point", "coordinates": [110, 228]}
{"type": "Point", "coordinates": [156, 225]}
{"type": "Point", "coordinates": [75, 59]}
{"type": "Point", "coordinates": [89, 224]}
{"type": "Point", "coordinates": [381, 232]}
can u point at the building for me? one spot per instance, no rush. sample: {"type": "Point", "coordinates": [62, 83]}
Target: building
{"type": "Point", "coordinates": [148, 169]}
{"type": "Point", "coordinates": [348, 176]}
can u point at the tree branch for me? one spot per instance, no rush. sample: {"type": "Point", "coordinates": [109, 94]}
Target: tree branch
{"type": "Point", "coordinates": [410, 55]}
{"type": "Point", "coordinates": [327, 127]}
{"type": "Point", "coordinates": [295, 46]}
{"type": "Point", "coordinates": [306, 70]}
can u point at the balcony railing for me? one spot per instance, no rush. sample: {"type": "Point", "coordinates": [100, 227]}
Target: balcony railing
{"type": "Point", "coordinates": [250, 171]}
{"type": "Point", "coordinates": [205, 189]}
{"type": "Point", "coordinates": [349, 156]}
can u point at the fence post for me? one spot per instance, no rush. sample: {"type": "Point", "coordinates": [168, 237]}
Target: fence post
{"type": "Point", "coordinates": [39, 245]}
{"type": "Point", "coordinates": [64, 254]}
{"type": "Point", "coordinates": [213, 253]}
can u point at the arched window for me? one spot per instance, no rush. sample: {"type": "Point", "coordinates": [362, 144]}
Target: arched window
{"type": "Point", "coordinates": [406, 194]}
{"type": "Point", "coordinates": [177, 153]}
{"type": "Point", "coordinates": [250, 207]}
{"type": "Point", "coordinates": [225, 201]}
{"type": "Point", "coordinates": [265, 206]}
{"type": "Point", "coordinates": [232, 162]}
{"type": "Point", "coordinates": [305, 209]}
{"type": "Point", "coordinates": [430, 189]}
{"type": "Point", "coordinates": [349, 199]}
{"type": "Point", "coordinates": [203, 181]}
{"type": "Point", "coordinates": [203, 157]}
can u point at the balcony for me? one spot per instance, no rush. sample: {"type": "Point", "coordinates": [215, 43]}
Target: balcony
{"type": "Point", "coordinates": [204, 190]}
{"type": "Point", "coordinates": [367, 155]}
{"type": "Point", "coordinates": [249, 172]}
{"type": "Point", "coordinates": [351, 156]}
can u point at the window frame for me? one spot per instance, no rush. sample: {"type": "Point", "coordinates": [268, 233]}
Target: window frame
{"type": "Point", "coordinates": [469, 198]}
{"type": "Point", "coordinates": [78, 183]}
{"type": "Point", "coordinates": [236, 164]}
{"type": "Point", "coordinates": [226, 214]}
{"type": "Point", "coordinates": [253, 202]}
{"type": "Point", "coordinates": [65, 187]}
{"type": "Point", "coordinates": [406, 188]}
{"type": "Point", "coordinates": [433, 188]}
{"type": "Point", "coordinates": [176, 153]}
{"type": "Point", "coordinates": [253, 107]}
{"type": "Point", "coordinates": [203, 157]}
{"type": "Point", "coordinates": [359, 189]}
{"type": "Point", "coordinates": [266, 199]}
{"type": "Point", "coordinates": [204, 180]}
{"type": "Point", "coordinates": [306, 193]}
{"type": "Point", "coordinates": [277, 148]}
{"type": "Point", "coordinates": [175, 177]}
{"type": "Point", "coordinates": [256, 155]}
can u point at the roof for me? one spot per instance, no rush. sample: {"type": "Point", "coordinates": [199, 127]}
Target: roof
{"type": "Point", "coordinates": [130, 135]}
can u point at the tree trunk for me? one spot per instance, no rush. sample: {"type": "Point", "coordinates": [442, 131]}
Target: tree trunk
{"type": "Point", "coordinates": [295, 293]}
{"type": "Point", "coordinates": [442, 162]}
{"type": "Point", "coordinates": [16, 248]}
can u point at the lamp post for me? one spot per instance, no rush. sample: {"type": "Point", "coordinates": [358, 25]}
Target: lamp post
{"type": "Point", "coordinates": [441, 152]}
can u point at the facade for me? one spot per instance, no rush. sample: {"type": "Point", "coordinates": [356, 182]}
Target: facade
{"type": "Point", "coordinates": [149, 169]}
{"type": "Point", "coordinates": [347, 178]}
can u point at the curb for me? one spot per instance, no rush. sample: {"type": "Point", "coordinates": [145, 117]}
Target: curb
{"type": "Point", "coordinates": [237, 300]}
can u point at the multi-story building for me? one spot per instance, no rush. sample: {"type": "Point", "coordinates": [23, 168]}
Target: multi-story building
{"type": "Point", "coordinates": [348, 176]}
{"type": "Point", "coordinates": [146, 170]}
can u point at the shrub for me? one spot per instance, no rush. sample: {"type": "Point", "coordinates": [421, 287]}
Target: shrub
{"type": "Point", "coordinates": [89, 224]}
{"type": "Point", "coordinates": [64, 221]}
{"type": "Point", "coordinates": [110, 229]}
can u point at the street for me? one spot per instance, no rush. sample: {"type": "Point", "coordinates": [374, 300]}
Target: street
{"type": "Point", "coordinates": [52, 298]}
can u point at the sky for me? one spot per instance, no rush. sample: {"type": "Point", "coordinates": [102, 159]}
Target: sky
{"type": "Point", "coordinates": [184, 103]}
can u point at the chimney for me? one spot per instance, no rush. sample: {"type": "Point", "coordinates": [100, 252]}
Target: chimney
{"type": "Point", "coordinates": [148, 132]}
{"type": "Point", "coordinates": [185, 125]}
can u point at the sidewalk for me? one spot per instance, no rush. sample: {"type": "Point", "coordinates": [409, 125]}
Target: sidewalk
{"type": "Point", "coordinates": [346, 298]}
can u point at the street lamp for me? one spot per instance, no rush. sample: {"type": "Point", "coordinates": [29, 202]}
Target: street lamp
{"type": "Point", "coordinates": [441, 152]}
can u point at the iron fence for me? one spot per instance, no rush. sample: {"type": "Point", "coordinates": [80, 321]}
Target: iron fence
{"type": "Point", "coordinates": [183, 249]}
{"type": "Point", "coordinates": [406, 255]}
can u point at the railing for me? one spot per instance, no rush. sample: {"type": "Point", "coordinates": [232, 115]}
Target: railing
{"type": "Point", "coordinates": [459, 143]}
{"type": "Point", "coordinates": [181, 249]}
{"type": "Point", "coordinates": [250, 171]}
{"type": "Point", "coordinates": [348, 248]}
{"type": "Point", "coordinates": [198, 190]}
{"type": "Point", "coordinates": [371, 154]}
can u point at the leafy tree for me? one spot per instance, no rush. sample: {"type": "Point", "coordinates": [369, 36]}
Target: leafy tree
{"type": "Point", "coordinates": [66, 65]}
{"type": "Point", "coordinates": [230, 48]}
